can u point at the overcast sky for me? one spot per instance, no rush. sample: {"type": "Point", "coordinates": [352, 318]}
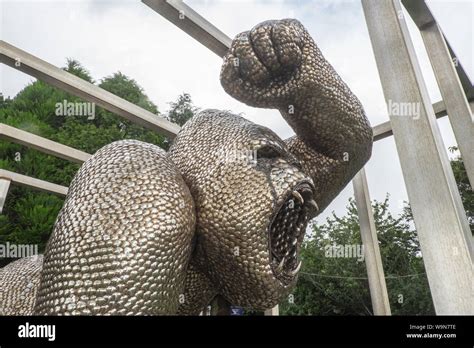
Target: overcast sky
{"type": "Point", "coordinates": [127, 36]}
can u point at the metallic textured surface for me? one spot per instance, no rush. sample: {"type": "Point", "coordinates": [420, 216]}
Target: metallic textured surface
{"type": "Point", "coordinates": [19, 282]}
{"type": "Point", "coordinates": [249, 224]}
{"type": "Point", "coordinates": [198, 292]}
{"type": "Point", "coordinates": [252, 214]}
{"type": "Point", "coordinates": [129, 240]}
{"type": "Point", "coordinates": [278, 65]}
{"type": "Point", "coordinates": [122, 241]}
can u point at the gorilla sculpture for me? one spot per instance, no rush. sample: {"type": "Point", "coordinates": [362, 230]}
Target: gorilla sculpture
{"type": "Point", "coordinates": [145, 232]}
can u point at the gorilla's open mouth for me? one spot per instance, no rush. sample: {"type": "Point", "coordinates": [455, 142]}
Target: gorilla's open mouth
{"type": "Point", "coordinates": [287, 230]}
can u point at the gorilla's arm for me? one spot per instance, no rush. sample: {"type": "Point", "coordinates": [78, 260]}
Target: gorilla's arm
{"type": "Point", "coordinates": [278, 65]}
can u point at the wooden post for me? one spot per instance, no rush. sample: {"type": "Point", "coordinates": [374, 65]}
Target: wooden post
{"type": "Point", "coordinates": [440, 221]}
{"type": "Point", "coordinates": [4, 186]}
{"type": "Point", "coordinates": [373, 260]}
{"type": "Point", "coordinates": [28, 181]}
{"type": "Point", "coordinates": [41, 144]}
{"type": "Point", "coordinates": [273, 311]}
{"type": "Point", "coordinates": [452, 91]}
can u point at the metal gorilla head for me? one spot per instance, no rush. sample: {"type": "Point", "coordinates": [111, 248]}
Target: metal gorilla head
{"type": "Point", "coordinates": [255, 193]}
{"type": "Point", "coordinates": [253, 204]}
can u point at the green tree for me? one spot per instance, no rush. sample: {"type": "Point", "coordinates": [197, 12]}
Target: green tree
{"type": "Point", "coordinates": [331, 285]}
{"type": "Point", "coordinates": [465, 189]}
{"type": "Point", "coordinates": [28, 215]}
{"type": "Point", "coordinates": [182, 110]}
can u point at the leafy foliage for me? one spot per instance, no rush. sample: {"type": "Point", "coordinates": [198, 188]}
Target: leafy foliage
{"type": "Point", "coordinates": [28, 215]}
{"type": "Point", "coordinates": [182, 110]}
{"type": "Point", "coordinates": [465, 189]}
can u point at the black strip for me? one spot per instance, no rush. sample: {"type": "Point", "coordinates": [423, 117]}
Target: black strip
{"type": "Point", "coordinates": [260, 330]}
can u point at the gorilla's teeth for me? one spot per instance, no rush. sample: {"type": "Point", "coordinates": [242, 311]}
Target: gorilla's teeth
{"type": "Point", "coordinates": [297, 195]}
{"type": "Point", "coordinates": [280, 265]}
{"type": "Point", "coordinates": [293, 272]}
{"type": "Point", "coordinates": [314, 205]}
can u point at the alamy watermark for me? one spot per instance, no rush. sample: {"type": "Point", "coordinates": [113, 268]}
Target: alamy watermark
{"type": "Point", "coordinates": [238, 156]}
{"type": "Point", "coordinates": [14, 251]}
{"type": "Point", "coordinates": [345, 250]}
{"type": "Point", "coordinates": [406, 109]}
{"type": "Point", "coordinates": [28, 330]}
{"type": "Point", "coordinates": [66, 108]}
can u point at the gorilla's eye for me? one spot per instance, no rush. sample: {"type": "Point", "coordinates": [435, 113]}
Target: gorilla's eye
{"type": "Point", "coordinates": [269, 151]}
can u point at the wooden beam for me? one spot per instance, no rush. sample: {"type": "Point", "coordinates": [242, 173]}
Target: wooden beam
{"type": "Point", "coordinates": [34, 66]}
{"type": "Point", "coordinates": [441, 223]}
{"type": "Point", "coordinates": [42, 144]}
{"type": "Point", "coordinates": [457, 105]}
{"type": "Point", "coordinates": [272, 311]}
{"type": "Point", "coordinates": [373, 260]}
{"type": "Point", "coordinates": [37, 184]}
{"type": "Point", "coordinates": [192, 23]}
{"type": "Point", "coordinates": [423, 18]}
{"type": "Point", "coordinates": [4, 186]}
{"type": "Point", "coordinates": [384, 130]}
{"type": "Point", "coordinates": [454, 84]}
